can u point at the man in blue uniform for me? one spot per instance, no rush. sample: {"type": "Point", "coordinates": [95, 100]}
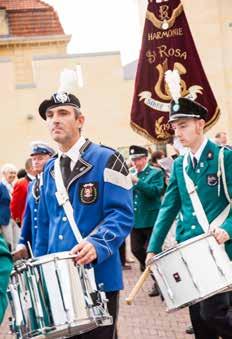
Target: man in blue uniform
{"type": "Point", "coordinates": [212, 317]}
{"type": "Point", "coordinates": [99, 189]}
{"type": "Point", "coordinates": [40, 154]}
{"type": "Point", "coordinates": [4, 207]}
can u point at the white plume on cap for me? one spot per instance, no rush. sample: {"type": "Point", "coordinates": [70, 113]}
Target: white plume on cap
{"type": "Point", "coordinates": [68, 81]}
{"type": "Point", "coordinates": [172, 79]}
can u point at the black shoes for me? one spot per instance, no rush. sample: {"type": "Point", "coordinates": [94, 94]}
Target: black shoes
{"type": "Point", "coordinates": [154, 292]}
{"type": "Point", "coordinates": [189, 330]}
{"type": "Point", "coordinates": [126, 267]}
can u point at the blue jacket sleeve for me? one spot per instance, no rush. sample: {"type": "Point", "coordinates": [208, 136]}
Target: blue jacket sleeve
{"type": "Point", "coordinates": [118, 209]}
{"type": "Point", "coordinates": [42, 237]}
{"type": "Point", "coordinates": [26, 234]}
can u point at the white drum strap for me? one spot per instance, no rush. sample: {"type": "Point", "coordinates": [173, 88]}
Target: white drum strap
{"type": "Point", "coordinates": [63, 200]}
{"type": "Point", "coordinates": [221, 168]}
{"type": "Point", "coordinates": [197, 206]}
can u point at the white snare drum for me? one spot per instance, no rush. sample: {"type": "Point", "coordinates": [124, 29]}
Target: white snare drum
{"type": "Point", "coordinates": [192, 271]}
{"type": "Point", "coordinates": [61, 299]}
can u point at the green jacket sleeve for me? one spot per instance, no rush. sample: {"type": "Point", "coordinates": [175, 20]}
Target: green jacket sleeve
{"type": "Point", "coordinates": [153, 187]}
{"type": "Point", "coordinates": [167, 214]}
{"type": "Point", "coordinates": [5, 270]}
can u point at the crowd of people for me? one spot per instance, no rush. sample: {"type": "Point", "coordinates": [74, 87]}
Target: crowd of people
{"type": "Point", "coordinates": [111, 201]}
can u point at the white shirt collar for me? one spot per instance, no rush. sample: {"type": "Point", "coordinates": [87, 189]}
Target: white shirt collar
{"type": "Point", "coordinates": [74, 152]}
{"type": "Point", "coordinates": [198, 153]}
{"type": "Point", "coordinates": [32, 177]}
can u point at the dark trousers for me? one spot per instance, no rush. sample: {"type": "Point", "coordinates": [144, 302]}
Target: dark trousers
{"type": "Point", "coordinates": [122, 252]}
{"type": "Point", "coordinates": [139, 241]}
{"type": "Point", "coordinates": [212, 317]}
{"type": "Point", "coordinates": [105, 332]}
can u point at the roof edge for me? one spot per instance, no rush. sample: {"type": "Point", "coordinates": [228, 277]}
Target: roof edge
{"type": "Point", "coordinates": [11, 40]}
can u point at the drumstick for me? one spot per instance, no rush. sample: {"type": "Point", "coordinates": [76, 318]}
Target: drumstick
{"type": "Point", "coordinates": [138, 285]}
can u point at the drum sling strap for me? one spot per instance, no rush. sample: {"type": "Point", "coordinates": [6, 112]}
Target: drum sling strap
{"type": "Point", "coordinates": [196, 203]}
{"type": "Point", "coordinates": [63, 200]}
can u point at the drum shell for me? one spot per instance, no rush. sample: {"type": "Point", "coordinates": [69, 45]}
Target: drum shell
{"type": "Point", "coordinates": [192, 271]}
{"type": "Point", "coordinates": [60, 297]}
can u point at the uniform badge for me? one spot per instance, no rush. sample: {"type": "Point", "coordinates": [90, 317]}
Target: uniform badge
{"type": "Point", "coordinates": [88, 192]}
{"type": "Point", "coordinates": [212, 179]}
{"type": "Point", "coordinates": [61, 97]}
{"type": "Point", "coordinates": [210, 155]}
{"type": "Point", "coordinates": [176, 107]}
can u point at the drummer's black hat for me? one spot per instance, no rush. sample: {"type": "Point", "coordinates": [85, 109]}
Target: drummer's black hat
{"type": "Point", "coordinates": [58, 99]}
{"type": "Point", "coordinates": [137, 152]}
{"type": "Point", "coordinates": [186, 108]}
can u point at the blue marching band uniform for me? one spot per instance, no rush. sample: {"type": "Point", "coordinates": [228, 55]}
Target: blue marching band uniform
{"type": "Point", "coordinates": [100, 189]}
{"type": "Point", "coordinates": [30, 218]}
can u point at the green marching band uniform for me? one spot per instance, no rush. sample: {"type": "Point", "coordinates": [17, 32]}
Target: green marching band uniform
{"type": "Point", "coordinates": [177, 199]}
{"type": "Point", "coordinates": [210, 317]}
{"type": "Point", "coordinates": [5, 270]}
{"type": "Point", "coordinates": [146, 196]}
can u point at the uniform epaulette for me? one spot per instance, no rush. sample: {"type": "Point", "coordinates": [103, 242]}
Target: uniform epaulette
{"type": "Point", "coordinates": [112, 149]}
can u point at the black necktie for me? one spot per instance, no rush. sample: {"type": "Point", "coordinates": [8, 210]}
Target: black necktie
{"type": "Point", "coordinates": [65, 168]}
{"type": "Point", "coordinates": [194, 162]}
{"type": "Point", "coordinates": [37, 188]}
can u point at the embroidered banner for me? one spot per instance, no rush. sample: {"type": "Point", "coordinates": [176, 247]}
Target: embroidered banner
{"type": "Point", "coordinates": [167, 44]}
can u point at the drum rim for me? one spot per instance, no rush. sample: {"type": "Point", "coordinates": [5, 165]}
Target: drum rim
{"type": "Point", "coordinates": [181, 245]}
{"type": "Point", "coordinates": [52, 257]}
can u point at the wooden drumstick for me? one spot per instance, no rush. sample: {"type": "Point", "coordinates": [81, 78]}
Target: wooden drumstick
{"type": "Point", "coordinates": [138, 285]}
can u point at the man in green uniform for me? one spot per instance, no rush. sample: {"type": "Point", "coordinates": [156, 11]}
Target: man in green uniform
{"type": "Point", "coordinates": [5, 269]}
{"type": "Point", "coordinates": [212, 317]}
{"type": "Point", "coordinates": [148, 186]}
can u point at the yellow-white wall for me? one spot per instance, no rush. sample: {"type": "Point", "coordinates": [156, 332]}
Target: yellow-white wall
{"type": "Point", "coordinates": [105, 99]}
{"type": "Point", "coordinates": [30, 73]}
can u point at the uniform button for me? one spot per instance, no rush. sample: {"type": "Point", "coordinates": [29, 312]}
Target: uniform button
{"type": "Point", "coordinates": [35, 210]}
{"type": "Point", "coordinates": [135, 209]}
{"type": "Point", "coordinates": [64, 218]}
{"type": "Point", "coordinates": [35, 226]}
{"type": "Point", "coordinates": [35, 218]}
{"type": "Point", "coordinates": [193, 227]}
{"type": "Point", "coordinates": [61, 237]}
{"type": "Point", "coordinates": [136, 202]}
{"type": "Point", "coordinates": [193, 213]}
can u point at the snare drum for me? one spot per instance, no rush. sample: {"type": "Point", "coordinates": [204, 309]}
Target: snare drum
{"type": "Point", "coordinates": [24, 320]}
{"type": "Point", "coordinates": [61, 299]}
{"type": "Point", "coordinates": [192, 271]}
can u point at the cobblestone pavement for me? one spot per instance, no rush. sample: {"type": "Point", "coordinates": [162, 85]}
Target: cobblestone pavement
{"type": "Point", "coordinates": [146, 318]}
